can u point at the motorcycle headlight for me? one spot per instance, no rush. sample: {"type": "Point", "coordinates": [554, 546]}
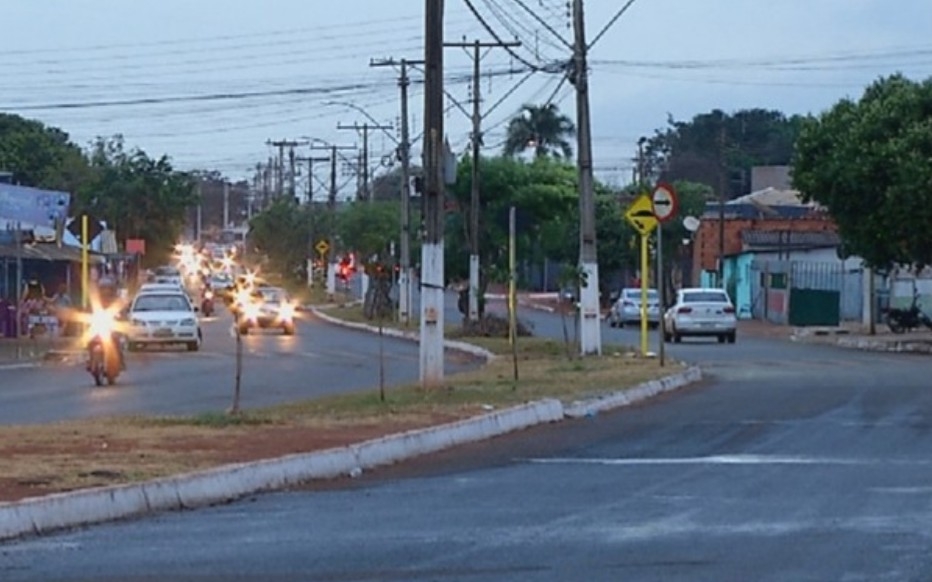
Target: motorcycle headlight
{"type": "Point", "coordinates": [188, 322]}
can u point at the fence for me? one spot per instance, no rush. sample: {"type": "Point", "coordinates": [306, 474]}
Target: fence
{"type": "Point", "coordinates": [806, 293]}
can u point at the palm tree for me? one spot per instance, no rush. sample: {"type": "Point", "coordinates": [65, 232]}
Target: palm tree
{"type": "Point", "coordinates": [541, 128]}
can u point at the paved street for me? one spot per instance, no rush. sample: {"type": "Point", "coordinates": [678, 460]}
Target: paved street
{"type": "Point", "coordinates": [793, 462]}
{"type": "Point", "coordinates": [321, 359]}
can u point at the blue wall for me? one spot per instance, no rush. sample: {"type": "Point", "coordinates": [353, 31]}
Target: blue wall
{"type": "Point", "coordinates": [738, 279]}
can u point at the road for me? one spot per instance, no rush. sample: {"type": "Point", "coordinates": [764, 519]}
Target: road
{"type": "Point", "coordinates": [321, 359]}
{"type": "Point", "coordinates": [790, 463]}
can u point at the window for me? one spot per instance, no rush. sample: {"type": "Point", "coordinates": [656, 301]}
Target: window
{"type": "Point", "coordinates": [705, 297]}
{"type": "Point", "coordinates": [652, 294]}
{"type": "Point", "coordinates": [778, 280]}
{"type": "Point", "coordinates": [161, 303]}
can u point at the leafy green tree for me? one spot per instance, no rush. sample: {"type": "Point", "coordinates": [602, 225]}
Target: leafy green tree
{"type": "Point", "coordinates": [139, 196]}
{"type": "Point", "coordinates": [699, 150]}
{"type": "Point", "coordinates": [868, 162]}
{"type": "Point", "coordinates": [369, 227]}
{"type": "Point", "coordinates": [542, 129]}
{"type": "Point", "coordinates": [281, 235]}
{"type": "Point", "coordinates": [40, 156]}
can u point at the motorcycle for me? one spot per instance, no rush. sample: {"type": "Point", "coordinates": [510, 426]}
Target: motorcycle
{"type": "Point", "coordinates": [104, 348]}
{"type": "Point", "coordinates": [207, 303]}
{"type": "Point", "coordinates": [903, 320]}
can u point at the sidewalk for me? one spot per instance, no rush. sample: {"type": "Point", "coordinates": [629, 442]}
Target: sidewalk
{"type": "Point", "coordinates": [28, 350]}
{"type": "Point", "coordinates": [854, 337]}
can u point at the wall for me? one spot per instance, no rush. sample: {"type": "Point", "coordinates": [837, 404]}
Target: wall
{"type": "Point", "coordinates": [738, 283]}
{"type": "Point", "coordinates": [706, 240]}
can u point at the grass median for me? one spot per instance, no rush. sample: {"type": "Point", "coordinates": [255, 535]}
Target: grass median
{"type": "Point", "coordinates": [37, 460]}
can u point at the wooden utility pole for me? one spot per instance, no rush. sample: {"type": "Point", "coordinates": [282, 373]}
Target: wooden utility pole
{"type": "Point", "coordinates": [590, 331]}
{"type": "Point", "coordinates": [722, 197]}
{"type": "Point", "coordinates": [432, 264]}
{"type": "Point", "coordinates": [472, 312]}
{"type": "Point", "coordinates": [365, 128]}
{"type": "Point", "coordinates": [280, 178]}
{"type": "Point", "coordinates": [404, 154]}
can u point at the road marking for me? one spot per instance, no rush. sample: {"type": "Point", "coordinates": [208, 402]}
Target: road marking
{"type": "Point", "coordinates": [723, 460]}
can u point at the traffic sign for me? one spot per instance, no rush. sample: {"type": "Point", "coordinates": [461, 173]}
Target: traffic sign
{"type": "Point", "coordinates": [641, 215]}
{"type": "Point", "coordinates": [322, 247]}
{"type": "Point", "coordinates": [664, 202]}
{"type": "Point", "coordinates": [94, 228]}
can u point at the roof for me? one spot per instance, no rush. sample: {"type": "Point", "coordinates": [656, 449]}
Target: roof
{"type": "Point", "coordinates": [784, 239]}
{"type": "Point", "coordinates": [47, 252]}
{"type": "Point", "coordinates": [773, 197]}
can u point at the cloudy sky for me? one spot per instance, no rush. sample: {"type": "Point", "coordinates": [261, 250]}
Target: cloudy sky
{"type": "Point", "coordinates": [219, 78]}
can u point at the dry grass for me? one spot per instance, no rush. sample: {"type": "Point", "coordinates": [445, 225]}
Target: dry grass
{"type": "Point", "coordinates": [63, 456]}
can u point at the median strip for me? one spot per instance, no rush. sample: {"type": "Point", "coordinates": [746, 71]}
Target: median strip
{"type": "Point", "coordinates": [88, 471]}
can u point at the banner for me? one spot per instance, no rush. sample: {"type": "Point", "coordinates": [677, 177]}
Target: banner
{"type": "Point", "coordinates": [33, 207]}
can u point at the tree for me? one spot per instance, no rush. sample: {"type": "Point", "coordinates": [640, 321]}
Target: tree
{"type": "Point", "coordinates": [369, 227]}
{"type": "Point", "coordinates": [700, 149]}
{"type": "Point", "coordinates": [281, 234]}
{"type": "Point", "coordinates": [40, 156]}
{"type": "Point", "coordinates": [138, 196]}
{"type": "Point", "coordinates": [541, 128]}
{"type": "Point", "coordinates": [867, 162]}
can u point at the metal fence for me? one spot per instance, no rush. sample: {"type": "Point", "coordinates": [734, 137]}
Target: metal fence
{"type": "Point", "coordinates": [772, 281]}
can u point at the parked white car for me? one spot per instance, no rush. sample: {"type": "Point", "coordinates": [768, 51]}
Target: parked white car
{"type": "Point", "coordinates": [163, 318]}
{"type": "Point", "coordinates": [627, 308]}
{"type": "Point", "coordinates": [703, 312]}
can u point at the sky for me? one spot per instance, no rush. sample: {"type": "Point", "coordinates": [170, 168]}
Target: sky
{"type": "Point", "coordinates": [295, 69]}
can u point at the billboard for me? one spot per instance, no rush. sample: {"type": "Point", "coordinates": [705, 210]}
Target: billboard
{"type": "Point", "coordinates": [32, 206]}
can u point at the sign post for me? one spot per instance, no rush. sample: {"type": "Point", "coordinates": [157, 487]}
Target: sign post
{"type": "Point", "coordinates": [85, 267]}
{"type": "Point", "coordinates": [641, 216]}
{"type": "Point", "coordinates": [665, 206]}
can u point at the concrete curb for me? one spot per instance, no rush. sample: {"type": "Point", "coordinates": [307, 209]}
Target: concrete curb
{"type": "Point", "coordinates": [406, 335]}
{"type": "Point", "coordinates": [41, 515]}
{"type": "Point", "coordinates": [896, 346]}
{"type": "Point", "coordinates": [633, 395]}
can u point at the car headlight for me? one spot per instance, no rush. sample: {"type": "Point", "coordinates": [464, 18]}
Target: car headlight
{"type": "Point", "coordinates": [188, 322]}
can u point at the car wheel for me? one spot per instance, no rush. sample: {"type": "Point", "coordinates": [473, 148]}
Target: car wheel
{"type": "Point", "coordinates": [667, 338]}
{"type": "Point", "coordinates": [244, 330]}
{"type": "Point", "coordinates": [193, 346]}
{"type": "Point", "coordinates": [722, 338]}
{"type": "Point", "coordinates": [732, 337]}
{"type": "Point", "coordinates": [288, 330]}
{"type": "Point", "coordinates": [677, 338]}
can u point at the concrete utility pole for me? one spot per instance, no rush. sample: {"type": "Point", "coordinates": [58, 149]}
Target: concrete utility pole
{"type": "Point", "coordinates": [590, 330]}
{"type": "Point", "coordinates": [332, 212]}
{"type": "Point", "coordinates": [365, 128]}
{"type": "Point", "coordinates": [404, 153]}
{"type": "Point", "coordinates": [472, 313]}
{"type": "Point", "coordinates": [432, 267]}
{"type": "Point", "coordinates": [281, 145]}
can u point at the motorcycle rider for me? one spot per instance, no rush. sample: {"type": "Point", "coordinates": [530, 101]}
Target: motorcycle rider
{"type": "Point", "coordinates": [109, 297]}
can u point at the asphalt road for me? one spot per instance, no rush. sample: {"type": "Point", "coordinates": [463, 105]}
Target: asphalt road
{"type": "Point", "coordinates": [320, 359]}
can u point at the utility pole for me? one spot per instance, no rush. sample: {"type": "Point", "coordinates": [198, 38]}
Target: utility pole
{"type": "Point", "coordinates": [310, 173]}
{"type": "Point", "coordinates": [365, 128]}
{"type": "Point", "coordinates": [721, 206]}
{"type": "Point", "coordinates": [404, 153]}
{"type": "Point", "coordinates": [226, 205]}
{"type": "Point", "coordinates": [281, 145]}
{"type": "Point", "coordinates": [432, 267]}
{"type": "Point", "coordinates": [472, 313]}
{"type": "Point", "coordinates": [590, 331]}
{"type": "Point", "coordinates": [332, 212]}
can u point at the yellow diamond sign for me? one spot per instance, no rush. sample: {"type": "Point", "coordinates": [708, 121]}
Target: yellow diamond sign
{"type": "Point", "coordinates": [322, 247]}
{"type": "Point", "coordinates": [641, 215]}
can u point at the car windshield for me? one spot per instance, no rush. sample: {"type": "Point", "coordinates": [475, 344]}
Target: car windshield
{"type": "Point", "coordinates": [705, 297]}
{"type": "Point", "coordinates": [272, 295]}
{"type": "Point", "coordinates": [652, 294]}
{"type": "Point", "coordinates": [167, 272]}
{"type": "Point", "coordinates": [154, 302]}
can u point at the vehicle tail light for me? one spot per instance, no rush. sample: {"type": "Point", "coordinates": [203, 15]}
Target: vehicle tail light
{"type": "Point", "coordinates": [685, 310]}
{"type": "Point", "coordinates": [728, 310]}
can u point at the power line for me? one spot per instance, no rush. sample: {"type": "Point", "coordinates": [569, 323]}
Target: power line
{"type": "Point", "coordinates": [609, 24]}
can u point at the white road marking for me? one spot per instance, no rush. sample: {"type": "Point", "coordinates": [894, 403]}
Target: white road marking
{"type": "Point", "coordinates": [723, 460]}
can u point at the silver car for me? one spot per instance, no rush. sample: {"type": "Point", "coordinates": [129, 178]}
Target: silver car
{"type": "Point", "coordinates": [699, 311]}
{"type": "Point", "coordinates": [627, 308]}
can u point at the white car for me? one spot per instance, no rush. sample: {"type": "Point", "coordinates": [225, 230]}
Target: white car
{"type": "Point", "coordinates": [627, 308]}
{"type": "Point", "coordinates": [167, 275]}
{"type": "Point", "coordinates": [159, 288]}
{"type": "Point", "coordinates": [163, 318]}
{"type": "Point", "coordinates": [703, 312]}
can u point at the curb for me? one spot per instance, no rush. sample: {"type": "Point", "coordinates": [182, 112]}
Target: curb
{"type": "Point", "coordinates": [40, 515]}
{"type": "Point", "coordinates": [873, 345]}
{"type": "Point", "coordinates": [406, 335]}
{"type": "Point", "coordinates": [633, 395]}
{"type": "Point", "coordinates": [19, 366]}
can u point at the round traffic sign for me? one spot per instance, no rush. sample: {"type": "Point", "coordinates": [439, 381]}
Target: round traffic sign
{"type": "Point", "coordinates": [664, 202]}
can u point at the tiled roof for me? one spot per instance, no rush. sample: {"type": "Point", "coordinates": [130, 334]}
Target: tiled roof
{"type": "Point", "coordinates": [789, 238]}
